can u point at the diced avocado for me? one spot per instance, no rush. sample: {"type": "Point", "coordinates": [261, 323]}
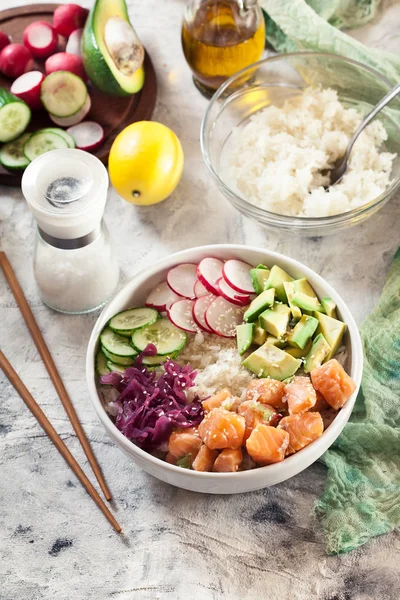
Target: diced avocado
{"type": "Point", "coordinates": [259, 277]}
{"type": "Point", "coordinates": [298, 352]}
{"type": "Point", "coordinates": [329, 307]}
{"type": "Point", "coordinates": [270, 361]}
{"type": "Point", "coordinates": [244, 337]}
{"type": "Point", "coordinates": [185, 462]}
{"type": "Point", "coordinates": [276, 319]}
{"type": "Point", "coordinates": [303, 332]}
{"type": "Point", "coordinates": [302, 285]}
{"type": "Point", "coordinates": [320, 349]}
{"type": "Point", "coordinates": [278, 343]}
{"type": "Point", "coordinates": [259, 304]}
{"type": "Point", "coordinates": [332, 330]}
{"type": "Point", "coordinates": [305, 302]}
{"type": "Point", "coordinates": [289, 289]}
{"type": "Point", "coordinates": [259, 334]}
{"type": "Point", "coordinates": [276, 279]}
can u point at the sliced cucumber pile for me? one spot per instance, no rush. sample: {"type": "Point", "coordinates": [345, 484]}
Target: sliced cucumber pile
{"type": "Point", "coordinates": [14, 116]}
{"type": "Point", "coordinates": [43, 141]}
{"type": "Point", "coordinates": [116, 344]}
{"type": "Point", "coordinates": [12, 155]}
{"type": "Point", "coordinates": [127, 321]}
{"type": "Point", "coordinates": [163, 334]}
{"type": "Point", "coordinates": [61, 132]}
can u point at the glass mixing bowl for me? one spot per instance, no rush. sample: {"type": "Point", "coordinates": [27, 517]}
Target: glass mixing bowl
{"type": "Point", "coordinates": [272, 81]}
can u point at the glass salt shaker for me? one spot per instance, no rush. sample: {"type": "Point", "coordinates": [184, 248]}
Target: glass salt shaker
{"type": "Point", "coordinates": [74, 265]}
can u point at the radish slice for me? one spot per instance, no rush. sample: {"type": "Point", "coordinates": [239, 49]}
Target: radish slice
{"type": "Point", "coordinates": [223, 316]}
{"type": "Point", "coordinates": [230, 294]}
{"type": "Point", "coordinates": [209, 270]}
{"type": "Point", "coordinates": [161, 297]}
{"type": "Point", "coordinates": [180, 313]}
{"type": "Point", "coordinates": [40, 38]}
{"type": "Point", "coordinates": [73, 119]}
{"type": "Point", "coordinates": [27, 87]}
{"type": "Point", "coordinates": [74, 42]}
{"type": "Point", "coordinates": [88, 135]}
{"type": "Point", "coordinates": [200, 290]}
{"type": "Point", "coordinates": [181, 280]}
{"type": "Point", "coordinates": [237, 274]}
{"type": "Point", "coordinates": [199, 311]}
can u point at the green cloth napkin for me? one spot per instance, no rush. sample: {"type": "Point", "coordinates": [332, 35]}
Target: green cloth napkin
{"type": "Point", "coordinates": [362, 495]}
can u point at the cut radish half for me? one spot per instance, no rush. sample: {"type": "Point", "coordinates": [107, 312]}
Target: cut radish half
{"type": "Point", "coordinates": [200, 290]}
{"type": "Point", "coordinates": [40, 38]}
{"type": "Point", "coordinates": [230, 294]}
{"type": "Point", "coordinates": [27, 87]}
{"type": "Point", "coordinates": [88, 135]}
{"type": "Point", "coordinates": [223, 316]}
{"type": "Point", "coordinates": [73, 119]}
{"type": "Point", "coordinates": [180, 313]}
{"type": "Point", "coordinates": [161, 297]}
{"type": "Point", "coordinates": [199, 311]}
{"type": "Point", "coordinates": [209, 270]}
{"type": "Point", "coordinates": [74, 42]}
{"type": "Point", "coordinates": [181, 280]}
{"type": "Point", "coordinates": [237, 274]}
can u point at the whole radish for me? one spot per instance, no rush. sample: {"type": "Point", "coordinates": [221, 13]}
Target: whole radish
{"type": "Point", "coordinates": [15, 59]}
{"type": "Point", "coordinates": [62, 61]}
{"type": "Point", "coordinates": [4, 40]}
{"type": "Point", "coordinates": [27, 88]}
{"type": "Point", "coordinates": [40, 38]}
{"type": "Point", "coordinates": [68, 17]}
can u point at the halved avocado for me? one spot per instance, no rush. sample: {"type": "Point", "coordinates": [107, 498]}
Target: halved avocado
{"type": "Point", "coordinates": [115, 68]}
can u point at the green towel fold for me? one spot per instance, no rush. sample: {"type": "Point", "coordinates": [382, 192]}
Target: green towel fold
{"type": "Point", "coordinates": [362, 495]}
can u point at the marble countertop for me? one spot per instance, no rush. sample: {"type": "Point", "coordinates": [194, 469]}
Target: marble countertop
{"type": "Point", "coordinates": [54, 543]}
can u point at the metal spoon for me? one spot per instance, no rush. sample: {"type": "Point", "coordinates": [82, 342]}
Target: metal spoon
{"type": "Point", "coordinates": [337, 172]}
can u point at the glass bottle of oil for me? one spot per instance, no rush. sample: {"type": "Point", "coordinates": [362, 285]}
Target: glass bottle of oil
{"type": "Point", "coordinates": [220, 37]}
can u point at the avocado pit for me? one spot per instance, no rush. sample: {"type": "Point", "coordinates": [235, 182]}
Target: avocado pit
{"type": "Point", "coordinates": [123, 45]}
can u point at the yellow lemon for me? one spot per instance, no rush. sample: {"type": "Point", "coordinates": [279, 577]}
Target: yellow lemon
{"type": "Point", "coordinates": [145, 162]}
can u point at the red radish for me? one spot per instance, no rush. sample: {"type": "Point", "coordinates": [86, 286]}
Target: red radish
{"type": "Point", "coordinates": [181, 280]}
{"type": "Point", "coordinates": [27, 87]}
{"type": "Point", "coordinates": [161, 296]}
{"type": "Point", "coordinates": [223, 316]}
{"type": "Point", "coordinates": [237, 274]}
{"type": "Point", "coordinates": [73, 119]}
{"type": "Point", "coordinates": [209, 270]}
{"type": "Point", "coordinates": [181, 315]}
{"type": "Point", "coordinates": [40, 38]}
{"type": "Point", "coordinates": [199, 311]}
{"type": "Point", "coordinates": [15, 59]}
{"type": "Point", "coordinates": [88, 135]}
{"type": "Point", "coordinates": [69, 17]}
{"type": "Point", "coordinates": [230, 294]}
{"type": "Point", "coordinates": [200, 290]}
{"type": "Point", "coordinates": [62, 61]}
{"type": "Point", "coordinates": [4, 40]}
{"type": "Point", "coordinates": [74, 42]}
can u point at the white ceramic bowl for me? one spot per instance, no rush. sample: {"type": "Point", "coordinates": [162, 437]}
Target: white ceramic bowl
{"type": "Point", "coordinates": [134, 294]}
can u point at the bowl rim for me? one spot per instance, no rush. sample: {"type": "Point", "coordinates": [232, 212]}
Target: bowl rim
{"type": "Point", "coordinates": [334, 429]}
{"type": "Point", "coordinates": [274, 218]}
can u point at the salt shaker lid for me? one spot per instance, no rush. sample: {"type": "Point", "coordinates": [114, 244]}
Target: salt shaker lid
{"type": "Point", "coordinates": [66, 191]}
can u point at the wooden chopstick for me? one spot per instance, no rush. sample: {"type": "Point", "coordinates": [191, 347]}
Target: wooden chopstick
{"type": "Point", "coordinates": [51, 369]}
{"type": "Point", "coordinates": [55, 438]}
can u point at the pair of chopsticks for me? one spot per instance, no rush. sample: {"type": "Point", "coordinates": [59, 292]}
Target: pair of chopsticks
{"type": "Point", "coordinates": [62, 393]}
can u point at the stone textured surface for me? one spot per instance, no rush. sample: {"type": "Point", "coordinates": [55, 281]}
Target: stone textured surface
{"type": "Point", "coordinates": [54, 543]}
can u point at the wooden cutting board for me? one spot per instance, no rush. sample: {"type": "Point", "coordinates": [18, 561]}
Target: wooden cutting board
{"type": "Point", "coordinates": [112, 112]}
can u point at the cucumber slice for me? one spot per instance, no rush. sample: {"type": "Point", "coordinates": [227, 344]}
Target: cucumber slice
{"type": "Point", "coordinates": [12, 155]}
{"type": "Point", "coordinates": [41, 142]}
{"type": "Point", "coordinates": [116, 344]}
{"type": "Point", "coordinates": [154, 361]}
{"type": "Point", "coordinates": [61, 132]}
{"type": "Point", "coordinates": [119, 360]}
{"type": "Point", "coordinates": [14, 116]}
{"type": "Point", "coordinates": [63, 94]}
{"type": "Point", "coordinates": [101, 364]}
{"type": "Point", "coordinates": [163, 334]}
{"type": "Point", "coordinates": [127, 321]}
{"type": "Point", "coordinates": [113, 367]}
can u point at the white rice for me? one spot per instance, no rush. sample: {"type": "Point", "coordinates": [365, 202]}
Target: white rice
{"type": "Point", "coordinates": [276, 159]}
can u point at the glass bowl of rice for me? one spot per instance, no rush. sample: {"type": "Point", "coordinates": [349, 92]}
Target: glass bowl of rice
{"type": "Point", "coordinates": [273, 130]}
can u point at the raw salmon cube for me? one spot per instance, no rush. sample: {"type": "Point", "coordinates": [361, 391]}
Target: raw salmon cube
{"type": "Point", "coordinates": [205, 459]}
{"type": "Point", "coordinates": [300, 395]}
{"type": "Point", "coordinates": [267, 445]}
{"type": "Point", "coordinates": [332, 381]}
{"type": "Point", "coordinates": [254, 413]}
{"type": "Point", "coordinates": [228, 461]}
{"type": "Point", "coordinates": [183, 442]}
{"type": "Point", "coordinates": [221, 429]}
{"type": "Point", "coordinates": [224, 396]}
{"type": "Point", "coordinates": [302, 429]}
{"type": "Point", "coordinates": [267, 391]}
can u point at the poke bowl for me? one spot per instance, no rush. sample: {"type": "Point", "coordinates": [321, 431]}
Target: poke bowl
{"type": "Point", "coordinates": [222, 363]}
